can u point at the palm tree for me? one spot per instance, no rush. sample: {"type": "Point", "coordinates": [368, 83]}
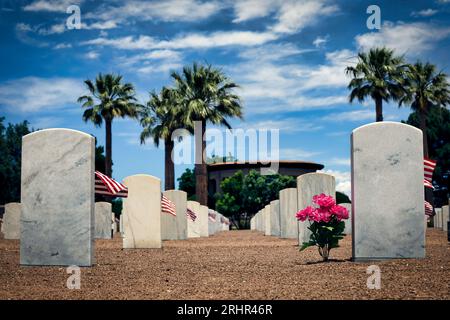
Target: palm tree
{"type": "Point", "coordinates": [108, 99]}
{"type": "Point", "coordinates": [160, 118]}
{"type": "Point", "coordinates": [378, 74]}
{"type": "Point", "coordinates": [425, 88]}
{"type": "Point", "coordinates": [207, 96]}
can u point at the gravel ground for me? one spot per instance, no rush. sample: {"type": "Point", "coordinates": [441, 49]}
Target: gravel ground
{"type": "Point", "coordinates": [229, 265]}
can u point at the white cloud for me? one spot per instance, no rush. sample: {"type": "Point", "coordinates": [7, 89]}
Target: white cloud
{"type": "Point", "coordinates": [296, 154]}
{"type": "Point", "coordinates": [343, 180]}
{"type": "Point", "coordinates": [356, 115]}
{"type": "Point", "coordinates": [92, 55]}
{"type": "Point", "coordinates": [51, 5]}
{"type": "Point", "coordinates": [33, 94]}
{"type": "Point", "coordinates": [188, 41]}
{"type": "Point", "coordinates": [320, 41]}
{"type": "Point", "coordinates": [424, 13]}
{"type": "Point", "coordinates": [339, 162]}
{"type": "Point", "coordinates": [63, 46]}
{"type": "Point", "coordinates": [163, 10]}
{"type": "Point", "coordinates": [286, 125]}
{"type": "Point", "coordinates": [250, 9]}
{"type": "Point", "coordinates": [293, 15]}
{"type": "Point", "coordinates": [411, 39]}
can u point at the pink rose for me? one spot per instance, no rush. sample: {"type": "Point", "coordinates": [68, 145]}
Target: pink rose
{"type": "Point", "coordinates": [304, 214]}
{"type": "Point", "coordinates": [339, 212]}
{"type": "Point", "coordinates": [324, 201]}
{"type": "Point", "coordinates": [324, 214]}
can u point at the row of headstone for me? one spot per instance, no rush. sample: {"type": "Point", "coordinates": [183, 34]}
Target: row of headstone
{"type": "Point", "coordinates": [441, 218]}
{"type": "Point", "coordinates": [59, 220]}
{"type": "Point", "coordinates": [387, 210]}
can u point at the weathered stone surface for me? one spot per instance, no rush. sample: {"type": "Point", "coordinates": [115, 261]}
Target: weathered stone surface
{"type": "Point", "coordinates": [288, 209]}
{"type": "Point", "coordinates": [444, 217]}
{"type": "Point", "coordinates": [275, 218]}
{"type": "Point", "coordinates": [348, 222]}
{"type": "Point", "coordinates": [142, 212]}
{"type": "Point", "coordinates": [179, 198]}
{"type": "Point", "coordinates": [193, 227]}
{"type": "Point", "coordinates": [267, 220]}
{"type": "Point", "coordinates": [103, 212]}
{"type": "Point", "coordinates": [203, 221]}
{"type": "Point", "coordinates": [387, 192]}
{"type": "Point", "coordinates": [309, 185]}
{"type": "Point", "coordinates": [57, 222]}
{"type": "Point", "coordinates": [11, 221]}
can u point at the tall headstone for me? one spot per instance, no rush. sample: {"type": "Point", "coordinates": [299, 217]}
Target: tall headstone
{"type": "Point", "coordinates": [309, 185]}
{"type": "Point", "coordinates": [103, 212]}
{"type": "Point", "coordinates": [11, 221]}
{"type": "Point", "coordinates": [445, 217]}
{"type": "Point", "coordinates": [288, 209]}
{"type": "Point", "coordinates": [168, 223]}
{"type": "Point", "coordinates": [57, 222]}
{"type": "Point", "coordinates": [121, 225]}
{"type": "Point", "coordinates": [193, 227]}
{"type": "Point", "coordinates": [348, 222]}
{"type": "Point", "coordinates": [179, 198]}
{"type": "Point", "coordinates": [275, 218]}
{"type": "Point", "coordinates": [435, 217]}
{"type": "Point", "coordinates": [142, 212]}
{"type": "Point", "coordinates": [387, 192]}
{"type": "Point", "coordinates": [440, 216]}
{"type": "Point", "coordinates": [203, 221]}
{"type": "Point", "coordinates": [252, 223]}
{"type": "Point", "coordinates": [267, 220]}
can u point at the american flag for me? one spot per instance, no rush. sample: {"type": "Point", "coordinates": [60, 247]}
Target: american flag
{"type": "Point", "coordinates": [168, 206]}
{"type": "Point", "coordinates": [223, 220]}
{"type": "Point", "coordinates": [428, 208]}
{"type": "Point", "coordinates": [212, 216]}
{"type": "Point", "coordinates": [108, 186]}
{"type": "Point", "coordinates": [191, 214]}
{"type": "Point", "coordinates": [429, 166]}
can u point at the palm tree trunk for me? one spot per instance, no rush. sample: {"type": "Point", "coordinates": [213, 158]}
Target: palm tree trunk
{"type": "Point", "coordinates": [169, 170]}
{"type": "Point", "coordinates": [201, 175]}
{"type": "Point", "coordinates": [108, 156]}
{"type": "Point", "coordinates": [379, 109]}
{"type": "Point", "coordinates": [423, 127]}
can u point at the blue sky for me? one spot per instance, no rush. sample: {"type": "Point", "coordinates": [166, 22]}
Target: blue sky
{"type": "Point", "coordinates": [288, 56]}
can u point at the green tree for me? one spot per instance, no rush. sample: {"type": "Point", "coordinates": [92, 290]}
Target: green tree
{"type": "Point", "coordinates": [378, 74]}
{"type": "Point", "coordinates": [108, 98]}
{"type": "Point", "coordinates": [207, 95]}
{"type": "Point", "coordinates": [244, 195]}
{"type": "Point", "coordinates": [160, 118]}
{"type": "Point", "coordinates": [186, 182]}
{"type": "Point", "coordinates": [11, 159]}
{"type": "Point", "coordinates": [425, 88]}
{"type": "Point", "coordinates": [438, 140]}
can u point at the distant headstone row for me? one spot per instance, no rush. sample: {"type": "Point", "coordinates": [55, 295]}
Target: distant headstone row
{"type": "Point", "coordinates": [58, 221]}
{"type": "Point", "coordinates": [387, 211]}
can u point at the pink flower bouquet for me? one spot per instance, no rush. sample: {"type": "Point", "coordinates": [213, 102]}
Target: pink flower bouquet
{"type": "Point", "coordinates": [326, 224]}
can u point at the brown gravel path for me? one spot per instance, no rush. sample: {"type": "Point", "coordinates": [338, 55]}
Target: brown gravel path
{"type": "Point", "coordinates": [229, 265]}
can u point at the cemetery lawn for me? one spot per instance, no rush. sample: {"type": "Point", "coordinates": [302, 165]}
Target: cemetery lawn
{"type": "Point", "coordinates": [229, 265]}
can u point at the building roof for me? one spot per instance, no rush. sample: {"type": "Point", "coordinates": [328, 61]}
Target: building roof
{"type": "Point", "coordinates": [282, 164]}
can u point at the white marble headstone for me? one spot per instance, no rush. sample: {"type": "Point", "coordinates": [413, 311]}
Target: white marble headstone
{"type": "Point", "coordinates": [142, 212]}
{"type": "Point", "coordinates": [288, 209]}
{"type": "Point", "coordinates": [179, 198]}
{"type": "Point", "coordinates": [309, 185]}
{"type": "Point", "coordinates": [193, 227]}
{"type": "Point", "coordinates": [445, 217]}
{"type": "Point", "coordinates": [103, 213]}
{"type": "Point", "coordinates": [57, 223]}
{"type": "Point", "coordinates": [203, 221]}
{"type": "Point", "coordinates": [348, 222]}
{"type": "Point", "coordinates": [168, 222]}
{"type": "Point", "coordinates": [387, 192]}
{"type": "Point", "coordinates": [11, 221]}
{"type": "Point", "coordinates": [267, 220]}
{"type": "Point", "coordinates": [275, 218]}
